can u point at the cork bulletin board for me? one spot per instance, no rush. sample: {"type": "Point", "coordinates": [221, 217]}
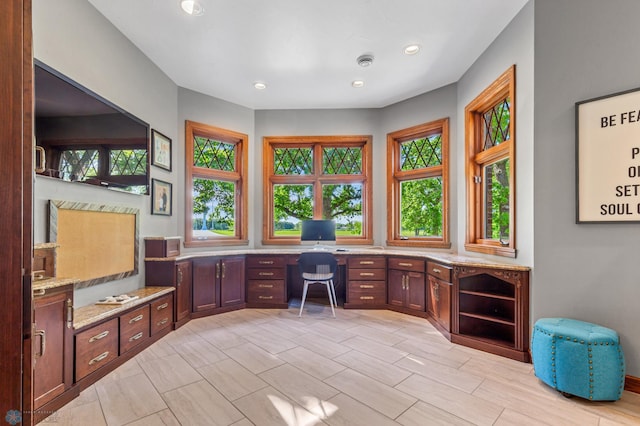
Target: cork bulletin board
{"type": "Point", "coordinates": [97, 243]}
{"type": "Point", "coordinates": [608, 158]}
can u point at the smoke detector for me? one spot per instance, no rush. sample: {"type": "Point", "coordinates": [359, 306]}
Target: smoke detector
{"type": "Point", "coordinates": [365, 60]}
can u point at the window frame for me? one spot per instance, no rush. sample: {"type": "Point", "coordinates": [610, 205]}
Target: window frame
{"type": "Point", "coordinates": [317, 179]}
{"type": "Point", "coordinates": [395, 177]}
{"type": "Point", "coordinates": [238, 177]}
{"type": "Point", "coordinates": [476, 159]}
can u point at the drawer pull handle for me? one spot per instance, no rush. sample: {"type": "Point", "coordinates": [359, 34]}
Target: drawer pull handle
{"type": "Point", "coordinates": [366, 297]}
{"type": "Point", "coordinates": [265, 285]}
{"type": "Point", "coordinates": [265, 262]}
{"type": "Point", "coordinates": [367, 274]}
{"type": "Point", "coordinates": [69, 313]}
{"type": "Point", "coordinates": [365, 286]}
{"type": "Point", "coordinates": [163, 306]}
{"type": "Point", "coordinates": [265, 297]}
{"type": "Point", "coordinates": [405, 264]}
{"type": "Point", "coordinates": [136, 336]}
{"type": "Point", "coordinates": [99, 336]}
{"type": "Point", "coordinates": [136, 319]}
{"type": "Point", "coordinates": [39, 292]}
{"type": "Point", "coordinates": [163, 322]}
{"type": "Point", "coordinates": [265, 274]}
{"type": "Point", "coordinates": [436, 270]}
{"type": "Point", "coordinates": [99, 358]}
{"type": "Point", "coordinates": [366, 262]}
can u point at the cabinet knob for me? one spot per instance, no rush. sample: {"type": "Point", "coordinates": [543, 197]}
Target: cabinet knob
{"type": "Point", "coordinates": [99, 358]}
{"type": "Point", "coordinates": [405, 264]}
{"type": "Point", "coordinates": [136, 336]}
{"type": "Point", "coordinates": [43, 341]}
{"type": "Point", "coordinates": [136, 319]}
{"type": "Point", "coordinates": [99, 336]}
{"type": "Point", "coordinates": [265, 262]}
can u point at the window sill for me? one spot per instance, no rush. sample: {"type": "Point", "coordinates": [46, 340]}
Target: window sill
{"type": "Point", "coordinates": [215, 243]}
{"type": "Point", "coordinates": [419, 243]}
{"type": "Point", "coordinates": [494, 250]}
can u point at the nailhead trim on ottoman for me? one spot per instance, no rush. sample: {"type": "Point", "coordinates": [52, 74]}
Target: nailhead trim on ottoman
{"type": "Point", "coordinates": [578, 358]}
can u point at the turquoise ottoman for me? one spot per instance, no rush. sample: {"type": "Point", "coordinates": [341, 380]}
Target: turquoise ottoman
{"type": "Point", "coordinates": [578, 358]}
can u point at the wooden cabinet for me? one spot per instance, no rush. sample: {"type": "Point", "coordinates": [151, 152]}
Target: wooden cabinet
{"type": "Point", "coordinates": [161, 246]}
{"type": "Point", "coordinates": [53, 343]}
{"type": "Point", "coordinates": [206, 281]}
{"type": "Point", "coordinates": [266, 281]}
{"type": "Point", "coordinates": [96, 347]}
{"type": "Point", "coordinates": [491, 310]}
{"type": "Point", "coordinates": [439, 295]}
{"type": "Point", "coordinates": [218, 282]}
{"type": "Point", "coordinates": [161, 314]}
{"type": "Point", "coordinates": [169, 273]}
{"type": "Point", "coordinates": [406, 283]}
{"type": "Point", "coordinates": [366, 282]}
{"type": "Point", "coordinates": [134, 328]}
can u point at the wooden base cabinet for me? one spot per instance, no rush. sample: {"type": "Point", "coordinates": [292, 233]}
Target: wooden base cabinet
{"type": "Point", "coordinates": [169, 273]}
{"type": "Point", "coordinates": [406, 283]}
{"type": "Point", "coordinates": [53, 344]}
{"type": "Point", "coordinates": [439, 295]}
{"type": "Point", "coordinates": [366, 282]}
{"type": "Point", "coordinates": [266, 281]}
{"type": "Point", "coordinates": [218, 282]}
{"type": "Point", "coordinates": [491, 311]}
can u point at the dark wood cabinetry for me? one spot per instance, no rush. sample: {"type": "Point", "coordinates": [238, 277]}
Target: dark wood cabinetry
{"type": "Point", "coordinates": [218, 282]}
{"type": "Point", "coordinates": [169, 273]}
{"type": "Point", "coordinates": [134, 328]}
{"type": "Point", "coordinates": [53, 343]}
{"type": "Point", "coordinates": [406, 283]}
{"type": "Point", "coordinates": [491, 310]}
{"type": "Point", "coordinates": [161, 314]}
{"type": "Point", "coordinates": [439, 295]}
{"type": "Point", "coordinates": [266, 281]}
{"type": "Point", "coordinates": [96, 347]}
{"type": "Point", "coordinates": [366, 282]}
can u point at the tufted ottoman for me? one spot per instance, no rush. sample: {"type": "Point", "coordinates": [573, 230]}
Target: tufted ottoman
{"type": "Point", "coordinates": [578, 358]}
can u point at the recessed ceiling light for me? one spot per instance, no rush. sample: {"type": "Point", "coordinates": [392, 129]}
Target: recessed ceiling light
{"type": "Point", "coordinates": [412, 49]}
{"type": "Point", "coordinates": [192, 7]}
{"type": "Point", "coordinates": [259, 85]}
{"type": "Point", "coordinates": [357, 83]}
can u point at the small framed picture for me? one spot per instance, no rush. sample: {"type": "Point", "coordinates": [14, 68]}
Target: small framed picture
{"type": "Point", "coordinates": [161, 197]}
{"type": "Point", "coordinates": [160, 150]}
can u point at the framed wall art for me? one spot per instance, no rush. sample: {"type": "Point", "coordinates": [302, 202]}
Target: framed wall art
{"type": "Point", "coordinates": [608, 158]}
{"type": "Point", "coordinates": [160, 150]}
{"type": "Point", "coordinates": [161, 197]}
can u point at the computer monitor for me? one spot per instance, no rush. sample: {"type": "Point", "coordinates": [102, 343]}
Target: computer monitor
{"type": "Point", "coordinates": [318, 232]}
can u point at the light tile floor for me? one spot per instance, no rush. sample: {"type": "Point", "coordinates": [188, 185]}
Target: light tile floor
{"type": "Point", "coordinates": [269, 367]}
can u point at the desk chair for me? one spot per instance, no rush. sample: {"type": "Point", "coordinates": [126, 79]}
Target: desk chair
{"type": "Point", "coordinates": [318, 268]}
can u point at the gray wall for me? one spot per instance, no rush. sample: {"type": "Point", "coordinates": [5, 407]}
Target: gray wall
{"type": "Point", "coordinates": [76, 40]}
{"type": "Point", "coordinates": [583, 49]}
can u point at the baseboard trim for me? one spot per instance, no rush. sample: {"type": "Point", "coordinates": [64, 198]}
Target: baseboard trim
{"type": "Point", "coordinates": [632, 384]}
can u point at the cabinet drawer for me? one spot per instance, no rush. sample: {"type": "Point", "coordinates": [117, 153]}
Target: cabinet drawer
{"type": "Point", "coordinates": [266, 273]}
{"type": "Point", "coordinates": [406, 264]}
{"type": "Point", "coordinates": [368, 286]}
{"type": "Point", "coordinates": [375, 296]}
{"type": "Point", "coordinates": [266, 291]}
{"type": "Point", "coordinates": [439, 270]}
{"type": "Point", "coordinates": [134, 328]}
{"type": "Point", "coordinates": [266, 261]}
{"type": "Point", "coordinates": [161, 314]}
{"type": "Point", "coordinates": [95, 347]}
{"type": "Point", "coordinates": [366, 262]}
{"type": "Point", "coordinates": [367, 274]}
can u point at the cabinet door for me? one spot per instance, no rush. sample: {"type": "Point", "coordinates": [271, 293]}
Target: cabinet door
{"type": "Point", "coordinates": [415, 291]}
{"type": "Point", "coordinates": [53, 347]}
{"type": "Point", "coordinates": [206, 273]}
{"type": "Point", "coordinates": [396, 287]}
{"type": "Point", "coordinates": [432, 298]}
{"type": "Point", "coordinates": [444, 305]}
{"type": "Point", "coordinates": [183, 290]}
{"type": "Point", "coordinates": [232, 283]}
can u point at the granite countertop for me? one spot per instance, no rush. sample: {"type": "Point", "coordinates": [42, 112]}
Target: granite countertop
{"type": "Point", "coordinates": [451, 259]}
{"type": "Point", "coordinates": [50, 283]}
{"type": "Point", "coordinates": [90, 314]}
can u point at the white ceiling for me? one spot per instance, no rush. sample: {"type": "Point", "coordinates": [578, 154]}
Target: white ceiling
{"type": "Point", "coordinates": [306, 50]}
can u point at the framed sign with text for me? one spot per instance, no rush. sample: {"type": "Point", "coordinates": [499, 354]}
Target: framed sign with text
{"type": "Point", "coordinates": [608, 158]}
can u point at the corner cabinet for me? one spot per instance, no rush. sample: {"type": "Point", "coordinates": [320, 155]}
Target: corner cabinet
{"type": "Point", "coordinates": [491, 310]}
{"type": "Point", "coordinates": [439, 296]}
